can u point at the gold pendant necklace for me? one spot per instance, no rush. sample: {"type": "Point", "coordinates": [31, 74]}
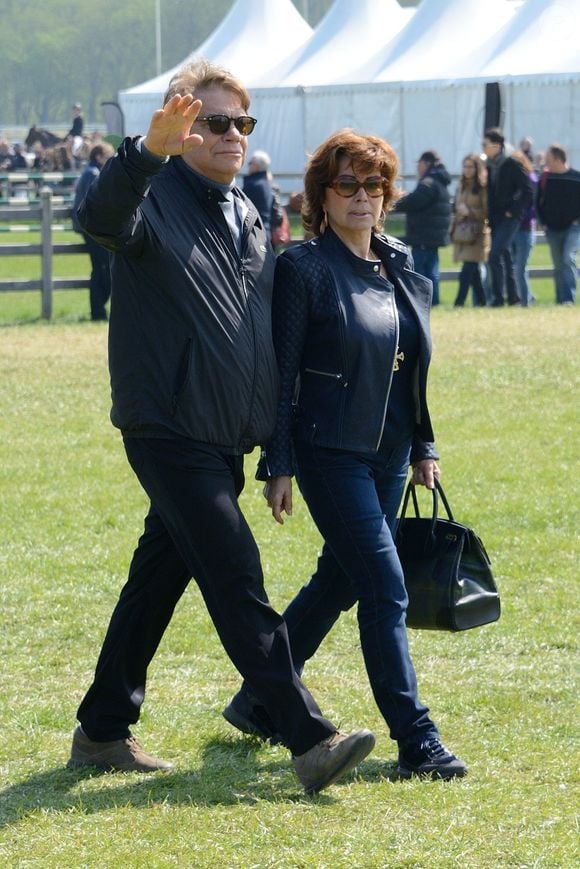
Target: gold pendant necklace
{"type": "Point", "coordinates": [399, 357]}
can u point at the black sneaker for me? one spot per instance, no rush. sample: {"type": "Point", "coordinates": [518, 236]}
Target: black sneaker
{"type": "Point", "coordinates": [245, 712]}
{"type": "Point", "coordinates": [429, 758]}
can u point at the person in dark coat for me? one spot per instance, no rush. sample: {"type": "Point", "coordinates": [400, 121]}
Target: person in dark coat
{"type": "Point", "coordinates": [428, 210]}
{"type": "Point", "coordinates": [100, 281]}
{"type": "Point", "coordinates": [17, 160]}
{"type": "Point", "coordinates": [558, 205]}
{"type": "Point", "coordinates": [509, 193]}
{"type": "Point", "coordinates": [194, 386]}
{"type": "Point", "coordinates": [78, 121]}
{"type": "Point", "coordinates": [258, 187]}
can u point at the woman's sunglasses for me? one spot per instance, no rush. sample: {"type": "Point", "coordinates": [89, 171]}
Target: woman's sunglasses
{"type": "Point", "coordinates": [220, 124]}
{"type": "Point", "coordinates": [348, 187]}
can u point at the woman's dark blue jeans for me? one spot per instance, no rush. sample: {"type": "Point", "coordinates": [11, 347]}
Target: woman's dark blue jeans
{"type": "Point", "coordinates": [470, 275]}
{"type": "Point", "coordinates": [353, 499]}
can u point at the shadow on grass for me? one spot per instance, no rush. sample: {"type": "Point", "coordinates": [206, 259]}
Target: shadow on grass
{"type": "Point", "coordinates": [231, 774]}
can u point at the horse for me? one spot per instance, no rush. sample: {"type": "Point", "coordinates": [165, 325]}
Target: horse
{"type": "Point", "coordinates": [45, 137]}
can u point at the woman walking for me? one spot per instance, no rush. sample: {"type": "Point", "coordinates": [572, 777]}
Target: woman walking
{"type": "Point", "coordinates": [351, 334]}
{"type": "Point", "coordinates": [469, 232]}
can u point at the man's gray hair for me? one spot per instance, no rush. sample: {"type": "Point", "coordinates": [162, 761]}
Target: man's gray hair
{"type": "Point", "coordinates": [200, 75]}
{"type": "Point", "coordinates": [261, 160]}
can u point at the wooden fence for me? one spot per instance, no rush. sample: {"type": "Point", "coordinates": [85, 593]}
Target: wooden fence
{"type": "Point", "coordinates": [50, 208]}
{"type": "Point", "coordinates": [45, 212]}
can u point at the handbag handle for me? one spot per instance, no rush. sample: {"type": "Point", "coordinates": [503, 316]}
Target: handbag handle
{"type": "Point", "coordinates": [436, 492]}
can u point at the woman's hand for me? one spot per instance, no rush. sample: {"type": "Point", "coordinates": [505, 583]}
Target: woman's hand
{"type": "Point", "coordinates": [278, 494]}
{"type": "Point", "coordinates": [169, 130]}
{"type": "Point", "coordinates": [425, 473]}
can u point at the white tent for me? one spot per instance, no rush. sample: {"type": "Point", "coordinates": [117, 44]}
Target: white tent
{"type": "Point", "coordinates": [543, 38]}
{"type": "Point", "coordinates": [424, 87]}
{"type": "Point", "coordinates": [447, 116]}
{"type": "Point", "coordinates": [294, 118]}
{"type": "Point", "coordinates": [537, 60]}
{"type": "Point", "coordinates": [347, 32]}
{"type": "Point", "coordinates": [313, 100]}
{"type": "Point", "coordinates": [251, 39]}
{"type": "Point", "coordinates": [441, 35]}
{"type": "Point", "coordinates": [429, 85]}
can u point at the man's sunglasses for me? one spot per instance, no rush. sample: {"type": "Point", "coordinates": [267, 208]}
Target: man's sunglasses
{"type": "Point", "coordinates": [220, 124]}
{"type": "Point", "coordinates": [348, 187]}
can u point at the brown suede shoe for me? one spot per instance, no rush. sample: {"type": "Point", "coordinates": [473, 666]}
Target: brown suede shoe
{"type": "Point", "coordinates": [124, 755]}
{"type": "Point", "coordinates": [327, 761]}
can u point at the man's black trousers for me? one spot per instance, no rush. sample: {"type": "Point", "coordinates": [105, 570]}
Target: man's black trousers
{"type": "Point", "coordinates": [195, 528]}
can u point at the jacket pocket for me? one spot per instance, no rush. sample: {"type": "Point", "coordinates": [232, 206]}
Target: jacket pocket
{"type": "Point", "coordinates": [337, 376]}
{"type": "Point", "coordinates": [321, 400]}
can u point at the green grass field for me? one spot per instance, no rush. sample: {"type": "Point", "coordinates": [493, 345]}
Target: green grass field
{"type": "Point", "coordinates": [504, 393]}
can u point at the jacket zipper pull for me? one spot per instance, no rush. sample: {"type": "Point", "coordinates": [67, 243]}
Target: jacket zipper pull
{"type": "Point", "coordinates": [243, 277]}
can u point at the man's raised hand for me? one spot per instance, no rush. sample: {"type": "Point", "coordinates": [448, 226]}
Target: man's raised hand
{"type": "Point", "coordinates": [169, 130]}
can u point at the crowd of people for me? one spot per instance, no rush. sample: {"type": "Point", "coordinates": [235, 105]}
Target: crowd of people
{"type": "Point", "coordinates": [502, 197]}
{"type": "Point", "coordinates": [62, 156]}
{"type": "Point", "coordinates": [42, 151]}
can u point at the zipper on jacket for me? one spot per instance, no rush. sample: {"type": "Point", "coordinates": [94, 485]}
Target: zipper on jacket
{"type": "Point", "coordinates": [255, 343]}
{"type": "Point", "coordinates": [392, 368]}
{"type": "Point", "coordinates": [246, 230]}
{"type": "Point", "coordinates": [240, 257]}
{"type": "Point", "coordinates": [327, 374]}
{"type": "Point", "coordinates": [244, 284]}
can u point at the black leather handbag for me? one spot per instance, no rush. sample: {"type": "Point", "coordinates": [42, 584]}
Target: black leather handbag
{"type": "Point", "coordinates": [447, 570]}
